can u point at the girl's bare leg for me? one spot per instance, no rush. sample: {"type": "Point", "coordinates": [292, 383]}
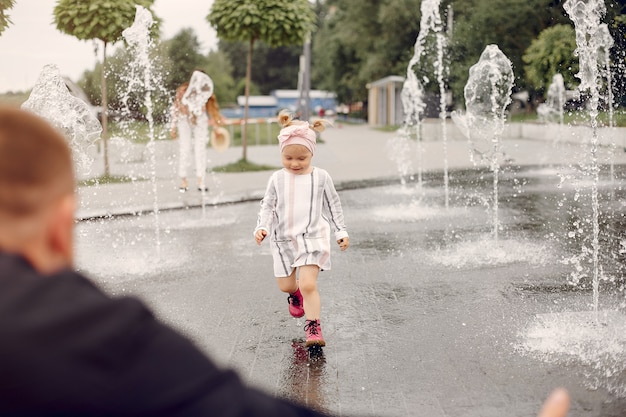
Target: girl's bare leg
{"type": "Point", "coordinates": [308, 287]}
{"type": "Point", "coordinates": [288, 284]}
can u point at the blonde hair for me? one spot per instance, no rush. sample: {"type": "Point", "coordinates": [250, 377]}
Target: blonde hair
{"type": "Point", "coordinates": [285, 118]}
{"type": "Point", "coordinates": [214, 109]}
{"type": "Point", "coordinates": [179, 107]}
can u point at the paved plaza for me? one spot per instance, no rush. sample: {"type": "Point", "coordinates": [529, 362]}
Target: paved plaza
{"type": "Point", "coordinates": [424, 315]}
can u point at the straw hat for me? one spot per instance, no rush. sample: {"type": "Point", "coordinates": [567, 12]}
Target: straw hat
{"type": "Point", "coordinates": [220, 139]}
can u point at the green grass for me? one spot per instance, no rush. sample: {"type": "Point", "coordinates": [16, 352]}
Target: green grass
{"type": "Point", "coordinates": [106, 179]}
{"type": "Point", "coordinates": [390, 128]}
{"type": "Point", "coordinates": [244, 165]}
{"type": "Point", "coordinates": [524, 117]}
{"type": "Point", "coordinates": [14, 99]}
{"type": "Point", "coordinates": [577, 118]}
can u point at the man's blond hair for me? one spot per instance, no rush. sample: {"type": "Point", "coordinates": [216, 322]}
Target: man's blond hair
{"type": "Point", "coordinates": [35, 165]}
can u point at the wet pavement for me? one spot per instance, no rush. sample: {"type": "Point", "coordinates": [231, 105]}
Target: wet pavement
{"type": "Point", "coordinates": [424, 315]}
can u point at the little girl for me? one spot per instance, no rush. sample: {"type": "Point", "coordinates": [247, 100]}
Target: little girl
{"type": "Point", "coordinates": [299, 210]}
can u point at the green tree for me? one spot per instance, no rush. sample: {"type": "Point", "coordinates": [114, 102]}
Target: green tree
{"type": "Point", "coordinates": [124, 101]}
{"type": "Point", "coordinates": [220, 69]}
{"type": "Point", "coordinates": [360, 41]}
{"type": "Point", "coordinates": [183, 56]}
{"type": "Point", "coordinates": [279, 66]}
{"type": "Point", "coordinates": [551, 53]}
{"type": "Point", "coordinates": [183, 52]}
{"type": "Point", "coordinates": [105, 21]}
{"type": "Point", "coordinates": [510, 24]}
{"type": "Point", "coordinates": [275, 22]}
{"type": "Point", "coordinates": [5, 20]}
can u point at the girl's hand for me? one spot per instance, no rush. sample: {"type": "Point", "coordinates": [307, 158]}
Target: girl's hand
{"type": "Point", "coordinates": [174, 132]}
{"type": "Point", "coordinates": [344, 243]}
{"type": "Point", "coordinates": [259, 236]}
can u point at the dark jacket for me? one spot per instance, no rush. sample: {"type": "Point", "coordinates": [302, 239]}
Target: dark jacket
{"type": "Point", "coordinates": [68, 349]}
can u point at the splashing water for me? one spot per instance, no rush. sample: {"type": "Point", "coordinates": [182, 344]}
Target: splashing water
{"type": "Point", "coordinates": [413, 91]}
{"type": "Point", "coordinates": [598, 341]}
{"type": "Point", "coordinates": [592, 338]}
{"type": "Point", "coordinates": [198, 93]}
{"type": "Point", "coordinates": [487, 95]}
{"type": "Point", "coordinates": [593, 43]}
{"type": "Point", "coordinates": [552, 109]}
{"type": "Point", "coordinates": [399, 150]}
{"type": "Point", "coordinates": [486, 251]}
{"type": "Point", "coordinates": [51, 99]}
{"type": "Point", "coordinates": [141, 77]}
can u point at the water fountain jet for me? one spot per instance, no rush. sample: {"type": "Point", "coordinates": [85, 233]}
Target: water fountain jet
{"type": "Point", "coordinates": [51, 99]}
{"type": "Point", "coordinates": [593, 42]}
{"type": "Point", "coordinates": [552, 109]}
{"type": "Point", "coordinates": [141, 77]}
{"type": "Point", "coordinates": [413, 91]}
{"type": "Point", "coordinates": [487, 95]}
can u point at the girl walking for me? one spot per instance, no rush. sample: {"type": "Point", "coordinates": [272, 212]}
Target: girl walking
{"type": "Point", "coordinates": [299, 211]}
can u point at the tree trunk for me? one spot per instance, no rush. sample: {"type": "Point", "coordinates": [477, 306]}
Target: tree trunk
{"type": "Point", "coordinates": [244, 131]}
{"type": "Point", "coordinates": [105, 112]}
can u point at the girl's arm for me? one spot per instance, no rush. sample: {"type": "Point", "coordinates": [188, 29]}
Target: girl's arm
{"type": "Point", "coordinates": [332, 210]}
{"type": "Point", "coordinates": [266, 212]}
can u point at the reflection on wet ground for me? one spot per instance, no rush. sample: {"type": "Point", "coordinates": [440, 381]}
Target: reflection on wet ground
{"type": "Point", "coordinates": [425, 314]}
{"type": "Point", "coordinates": [304, 377]}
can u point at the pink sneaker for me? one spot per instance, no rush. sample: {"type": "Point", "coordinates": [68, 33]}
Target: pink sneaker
{"type": "Point", "coordinates": [313, 332]}
{"type": "Point", "coordinates": [296, 304]}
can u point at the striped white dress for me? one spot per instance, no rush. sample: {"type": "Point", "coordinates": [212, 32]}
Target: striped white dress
{"type": "Point", "coordinates": [299, 212]}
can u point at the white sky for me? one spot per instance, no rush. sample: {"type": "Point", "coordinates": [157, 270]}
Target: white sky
{"type": "Point", "coordinates": [33, 41]}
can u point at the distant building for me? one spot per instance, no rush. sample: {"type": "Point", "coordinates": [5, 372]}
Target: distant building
{"type": "Point", "coordinates": [319, 99]}
{"type": "Point", "coordinates": [384, 101]}
{"type": "Point", "coordinates": [269, 106]}
{"type": "Point", "coordinates": [258, 106]}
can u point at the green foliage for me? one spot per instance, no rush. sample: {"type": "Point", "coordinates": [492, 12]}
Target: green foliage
{"type": "Point", "coordinates": [240, 88]}
{"type": "Point", "coordinates": [551, 53]}
{"type": "Point", "coordinates": [182, 56]}
{"type": "Point", "coordinates": [510, 24]}
{"type": "Point", "coordinates": [90, 83]}
{"type": "Point", "coordinates": [220, 69]}
{"type": "Point", "coordinates": [124, 101]}
{"type": "Point", "coordinates": [279, 66]}
{"type": "Point", "coordinates": [5, 21]}
{"type": "Point", "coordinates": [14, 98]}
{"type": "Point", "coordinates": [106, 179]}
{"type": "Point", "coordinates": [573, 118]}
{"type": "Point", "coordinates": [275, 22]}
{"type": "Point", "coordinates": [103, 20]}
{"type": "Point", "coordinates": [183, 53]}
{"type": "Point", "coordinates": [360, 41]}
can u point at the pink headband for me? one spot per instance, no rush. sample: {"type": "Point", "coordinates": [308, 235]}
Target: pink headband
{"type": "Point", "coordinates": [297, 134]}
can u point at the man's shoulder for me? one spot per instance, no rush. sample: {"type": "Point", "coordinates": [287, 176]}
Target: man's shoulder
{"type": "Point", "coordinates": [17, 272]}
{"type": "Point", "coordinates": [57, 296]}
